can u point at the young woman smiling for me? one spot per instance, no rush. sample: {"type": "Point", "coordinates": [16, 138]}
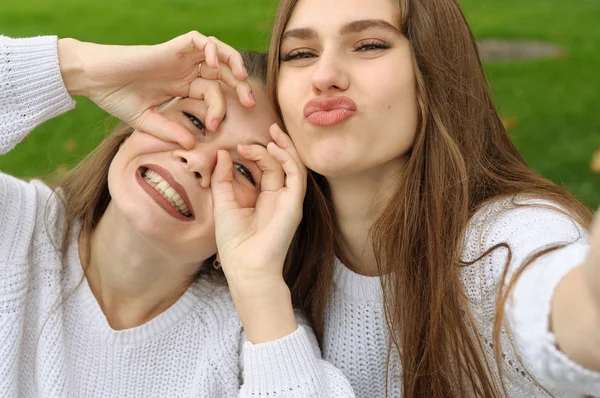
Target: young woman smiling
{"type": "Point", "coordinates": [432, 261]}
{"type": "Point", "coordinates": [105, 286]}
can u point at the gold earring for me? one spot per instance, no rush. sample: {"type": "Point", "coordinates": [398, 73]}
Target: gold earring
{"type": "Point", "coordinates": [216, 263]}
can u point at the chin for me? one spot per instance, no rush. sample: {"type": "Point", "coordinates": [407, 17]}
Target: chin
{"type": "Point", "coordinates": [332, 163]}
{"type": "Point", "coordinates": [334, 169]}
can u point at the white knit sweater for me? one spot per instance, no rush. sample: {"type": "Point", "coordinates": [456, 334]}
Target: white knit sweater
{"type": "Point", "coordinates": [356, 341]}
{"type": "Point", "coordinates": [194, 349]}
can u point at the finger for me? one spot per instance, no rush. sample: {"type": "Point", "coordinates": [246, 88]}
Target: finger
{"type": "Point", "coordinates": [199, 46]}
{"type": "Point", "coordinates": [215, 51]}
{"type": "Point", "coordinates": [167, 130]}
{"type": "Point", "coordinates": [295, 179]}
{"type": "Point", "coordinates": [284, 141]}
{"type": "Point", "coordinates": [273, 176]}
{"type": "Point", "coordinates": [221, 182]}
{"type": "Point", "coordinates": [231, 57]}
{"type": "Point", "coordinates": [207, 72]}
{"type": "Point", "coordinates": [211, 92]}
{"type": "Point", "coordinates": [244, 93]}
{"type": "Point", "coordinates": [224, 74]}
{"type": "Point", "coordinates": [212, 53]}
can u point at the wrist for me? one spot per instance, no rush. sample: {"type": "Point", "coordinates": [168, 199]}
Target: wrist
{"type": "Point", "coordinates": [258, 290]}
{"type": "Point", "coordinates": [265, 310]}
{"type": "Point", "coordinates": [71, 65]}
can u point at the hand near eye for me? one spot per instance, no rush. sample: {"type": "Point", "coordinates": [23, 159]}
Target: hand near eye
{"type": "Point", "coordinates": [253, 242]}
{"type": "Point", "coordinates": [130, 82]}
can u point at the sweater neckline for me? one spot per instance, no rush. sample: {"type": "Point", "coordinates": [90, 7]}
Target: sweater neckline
{"type": "Point", "coordinates": [358, 287]}
{"type": "Point", "coordinates": [93, 317]}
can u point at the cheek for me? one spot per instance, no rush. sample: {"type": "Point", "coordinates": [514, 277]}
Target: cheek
{"type": "Point", "coordinates": [122, 186]}
{"type": "Point", "coordinates": [143, 143]}
{"type": "Point", "coordinates": [288, 95]}
{"type": "Point", "coordinates": [402, 94]}
{"type": "Point", "coordinates": [291, 113]}
{"type": "Point", "coordinates": [115, 170]}
{"type": "Point", "coordinates": [396, 103]}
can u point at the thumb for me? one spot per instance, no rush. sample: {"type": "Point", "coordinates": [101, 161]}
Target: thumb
{"type": "Point", "coordinates": [221, 182]}
{"type": "Point", "coordinates": [159, 126]}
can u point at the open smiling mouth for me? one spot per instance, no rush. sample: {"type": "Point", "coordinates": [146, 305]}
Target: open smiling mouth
{"type": "Point", "coordinates": [163, 193]}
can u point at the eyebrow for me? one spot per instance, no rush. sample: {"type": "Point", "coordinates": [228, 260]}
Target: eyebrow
{"type": "Point", "coordinates": [352, 27]}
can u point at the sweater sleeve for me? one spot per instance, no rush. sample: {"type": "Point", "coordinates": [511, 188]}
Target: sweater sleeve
{"type": "Point", "coordinates": [31, 87]}
{"type": "Point", "coordinates": [291, 367]}
{"type": "Point", "coordinates": [31, 92]}
{"type": "Point", "coordinates": [528, 230]}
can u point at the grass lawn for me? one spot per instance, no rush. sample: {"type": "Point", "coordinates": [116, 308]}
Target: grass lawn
{"type": "Point", "coordinates": [554, 103]}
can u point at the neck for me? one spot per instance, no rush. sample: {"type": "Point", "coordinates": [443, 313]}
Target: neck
{"type": "Point", "coordinates": [132, 280]}
{"type": "Point", "coordinates": [358, 202]}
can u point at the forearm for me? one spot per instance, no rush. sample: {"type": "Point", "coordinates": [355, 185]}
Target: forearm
{"type": "Point", "coordinates": [531, 309]}
{"type": "Point", "coordinates": [575, 320]}
{"type": "Point", "coordinates": [71, 61]}
{"type": "Point", "coordinates": [265, 309]}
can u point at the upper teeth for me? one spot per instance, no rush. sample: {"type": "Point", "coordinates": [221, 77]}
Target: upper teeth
{"type": "Point", "coordinates": [163, 187]}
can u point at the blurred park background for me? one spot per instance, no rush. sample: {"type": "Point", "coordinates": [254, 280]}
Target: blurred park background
{"type": "Point", "coordinates": [551, 105]}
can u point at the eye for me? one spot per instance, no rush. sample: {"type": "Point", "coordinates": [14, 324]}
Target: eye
{"type": "Point", "coordinates": [245, 173]}
{"type": "Point", "coordinates": [297, 54]}
{"type": "Point", "coordinates": [196, 122]}
{"type": "Point", "coordinates": [372, 46]}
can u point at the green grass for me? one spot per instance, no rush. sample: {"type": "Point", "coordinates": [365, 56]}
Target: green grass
{"type": "Point", "coordinates": [61, 142]}
{"type": "Point", "coordinates": [555, 102]}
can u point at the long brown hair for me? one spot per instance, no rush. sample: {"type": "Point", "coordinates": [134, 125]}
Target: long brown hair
{"type": "Point", "coordinates": [84, 190]}
{"type": "Point", "coordinates": [461, 159]}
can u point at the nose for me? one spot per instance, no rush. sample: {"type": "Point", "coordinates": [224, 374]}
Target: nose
{"type": "Point", "coordinates": [330, 75]}
{"type": "Point", "coordinates": [200, 162]}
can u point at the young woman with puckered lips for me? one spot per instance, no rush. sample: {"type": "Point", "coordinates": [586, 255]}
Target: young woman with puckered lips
{"type": "Point", "coordinates": [431, 260]}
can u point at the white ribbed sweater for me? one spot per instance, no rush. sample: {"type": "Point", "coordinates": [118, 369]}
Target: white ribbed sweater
{"type": "Point", "coordinates": [194, 349]}
{"type": "Point", "coordinates": [178, 353]}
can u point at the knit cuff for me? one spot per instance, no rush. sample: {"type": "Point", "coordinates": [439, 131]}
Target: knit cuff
{"type": "Point", "coordinates": [286, 367]}
{"type": "Point", "coordinates": [529, 311]}
{"type": "Point", "coordinates": [31, 86]}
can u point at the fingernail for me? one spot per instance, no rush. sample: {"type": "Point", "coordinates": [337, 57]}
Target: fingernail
{"type": "Point", "coordinates": [251, 96]}
{"type": "Point", "coordinates": [215, 123]}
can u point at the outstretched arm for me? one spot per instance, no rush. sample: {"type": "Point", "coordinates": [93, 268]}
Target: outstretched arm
{"type": "Point", "coordinates": [544, 293]}
{"type": "Point", "coordinates": [39, 75]}
{"type": "Point", "coordinates": [575, 317]}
